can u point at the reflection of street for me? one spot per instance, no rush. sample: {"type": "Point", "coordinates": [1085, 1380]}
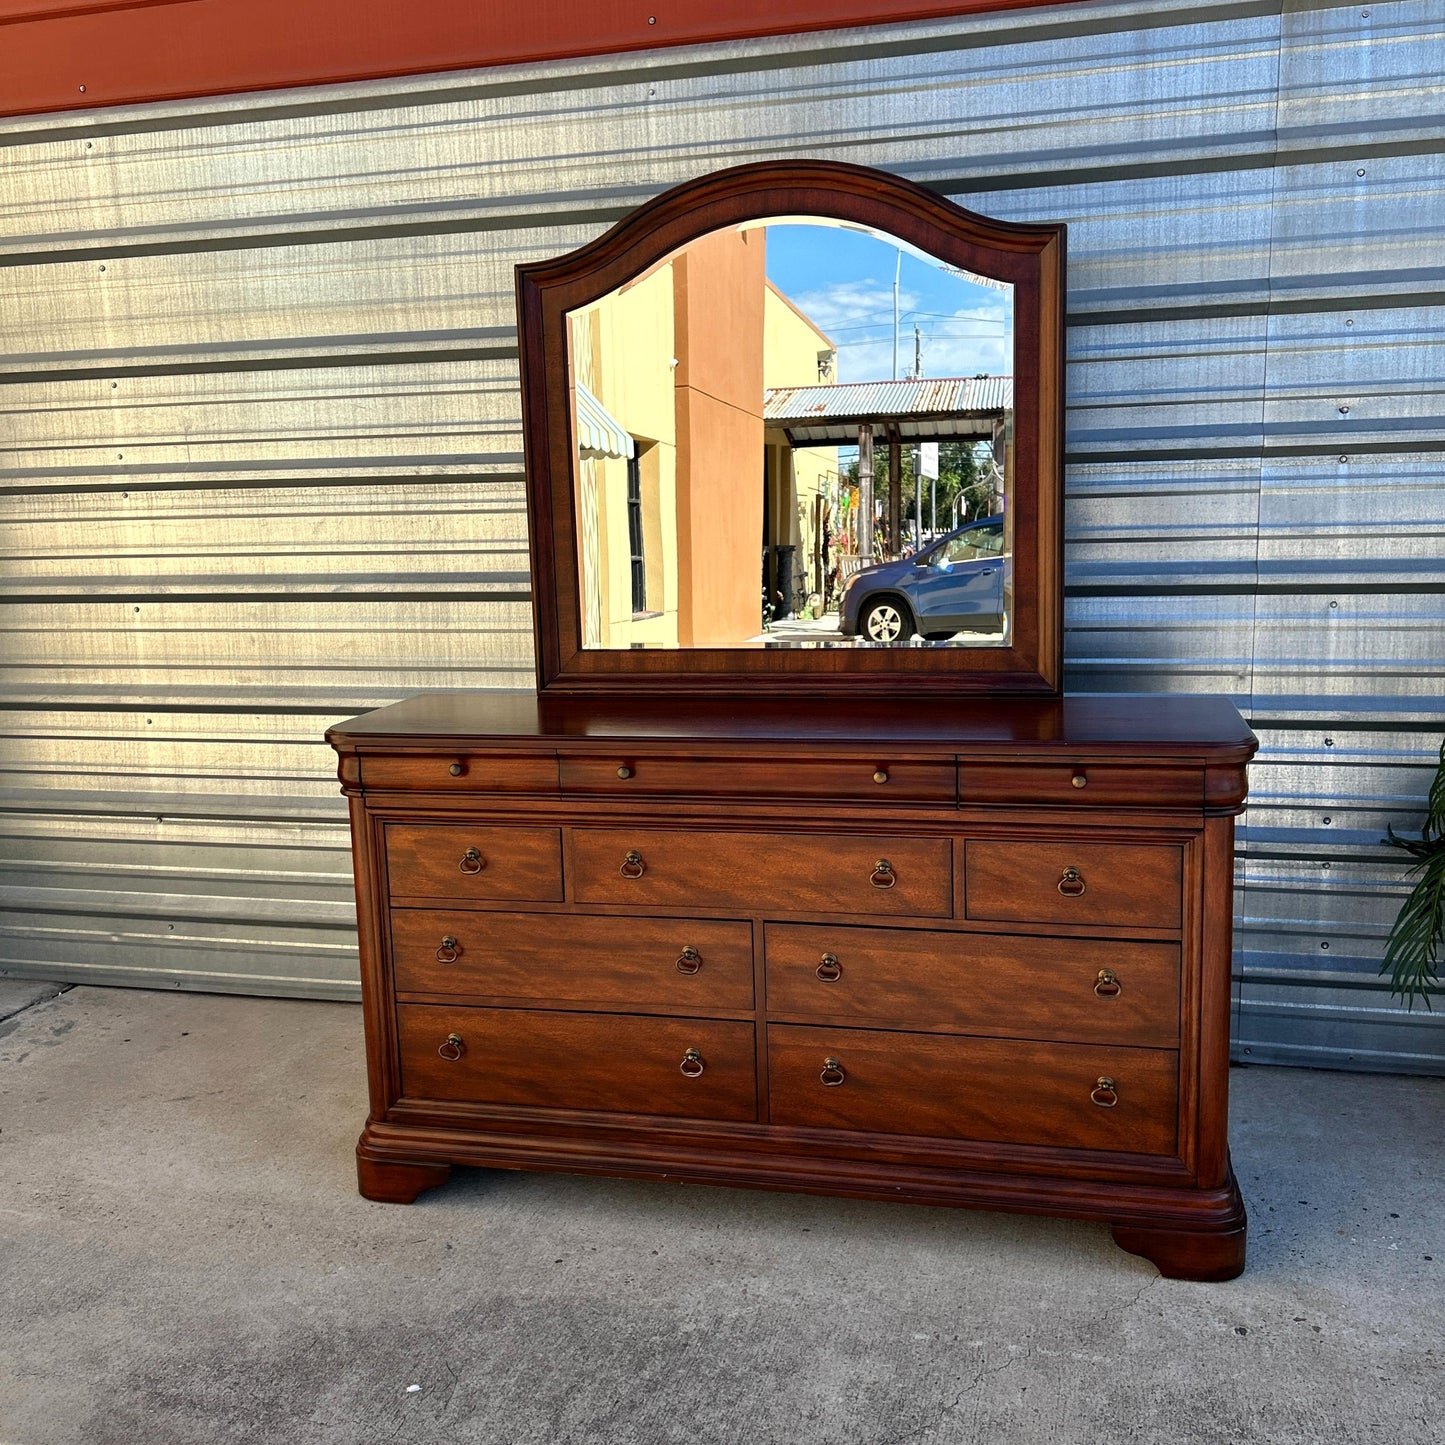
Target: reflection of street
{"type": "Point", "coordinates": [824, 630]}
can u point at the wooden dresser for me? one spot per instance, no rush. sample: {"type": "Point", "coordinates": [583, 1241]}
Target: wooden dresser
{"type": "Point", "coordinates": [967, 952]}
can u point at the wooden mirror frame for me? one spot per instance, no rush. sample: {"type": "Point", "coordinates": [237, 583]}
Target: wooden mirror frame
{"type": "Point", "coordinates": [1030, 257]}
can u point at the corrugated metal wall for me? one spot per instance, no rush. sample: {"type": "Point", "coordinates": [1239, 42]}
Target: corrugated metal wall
{"type": "Point", "coordinates": [262, 462]}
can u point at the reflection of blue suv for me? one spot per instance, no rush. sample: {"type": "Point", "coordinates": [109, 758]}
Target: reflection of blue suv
{"type": "Point", "coordinates": [953, 585]}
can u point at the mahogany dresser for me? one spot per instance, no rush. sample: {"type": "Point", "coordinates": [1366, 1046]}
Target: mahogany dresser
{"type": "Point", "coordinates": [969, 952]}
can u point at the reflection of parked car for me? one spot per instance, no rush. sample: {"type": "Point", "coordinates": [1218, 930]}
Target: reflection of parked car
{"type": "Point", "coordinates": [952, 585]}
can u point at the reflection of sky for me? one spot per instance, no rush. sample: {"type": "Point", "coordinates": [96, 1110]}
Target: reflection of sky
{"type": "Point", "coordinates": [843, 281]}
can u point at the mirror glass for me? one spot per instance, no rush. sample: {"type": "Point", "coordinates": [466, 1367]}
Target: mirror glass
{"type": "Point", "coordinates": [796, 432]}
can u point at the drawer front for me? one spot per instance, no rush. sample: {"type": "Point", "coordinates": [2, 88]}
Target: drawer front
{"type": "Point", "coordinates": [1083, 785]}
{"type": "Point", "coordinates": [1108, 883]}
{"type": "Point", "coordinates": [458, 773]}
{"type": "Point", "coordinates": [978, 983]}
{"type": "Point", "coordinates": [799, 872]}
{"type": "Point", "coordinates": [998, 1090]}
{"type": "Point", "coordinates": [865, 779]}
{"type": "Point", "coordinates": [617, 1063]}
{"type": "Point", "coordinates": [686, 964]}
{"type": "Point", "coordinates": [426, 860]}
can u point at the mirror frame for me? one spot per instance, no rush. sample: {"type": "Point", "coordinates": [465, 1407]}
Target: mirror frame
{"type": "Point", "coordinates": [1030, 257]}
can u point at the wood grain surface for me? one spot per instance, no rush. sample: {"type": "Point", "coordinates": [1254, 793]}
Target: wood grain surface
{"type": "Point", "coordinates": [576, 958]}
{"type": "Point", "coordinates": [980, 983]}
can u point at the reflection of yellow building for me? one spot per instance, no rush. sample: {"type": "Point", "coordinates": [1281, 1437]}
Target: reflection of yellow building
{"type": "Point", "coordinates": [668, 376]}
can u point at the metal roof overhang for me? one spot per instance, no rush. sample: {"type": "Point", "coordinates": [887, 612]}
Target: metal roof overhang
{"type": "Point", "coordinates": [950, 408]}
{"type": "Point", "coordinates": [843, 431]}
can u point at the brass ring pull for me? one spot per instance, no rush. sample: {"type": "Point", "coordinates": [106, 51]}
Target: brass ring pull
{"type": "Point", "coordinates": [829, 969]}
{"type": "Point", "coordinates": [1105, 1095]}
{"type": "Point", "coordinates": [632, 865]}
{"type": "Point", "coordinates": [881, 776]}
{"type": "Point", "coordinates": [1071, 885]}
{"type": "Point", "coordinates": [449, 950]}
{"type": "Point", "coordinates": [689, 960]}
{"type": "Point", "coordinates": [1079, 780]}
{"type": "Point", "coordinates": [472, 861]}
{"type": "Point", "coordinates": [832, 1074]}
{"type": "Point", "coordinates": [692, 1065]}
{"type": "Point", "coordinates": [883, 874]}
{"type": "Point", "coordinates": [455, 770]}
{"type": "Point", "coordinates": [453, 1049]}
{"type": "Point", "coordinates": [1107, 984]}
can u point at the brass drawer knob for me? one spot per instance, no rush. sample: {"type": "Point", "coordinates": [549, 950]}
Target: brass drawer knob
{"type": "Point", "coordinates": [1071, 885]}
{"type": "Point", "coordinates": [632, 865]}
{"type": "Point", "coordinates": [883, 875]}
{"type": "Point", "coordinates": [692, 1065]}
{"type": "Point", "coordinates": [624, 772]}
{"type": "Point", "coordinates": [689, 960]}
{"type": "Point", "coordinates": [881, 776]}
{"type": "Point", "coordinates": [1079, 780]}
{"type": "Point", "coordinates": [1107, 984]}
{"type": "Point", "coordinates": [472, 861]}
{"type": "Point", "coordinates": [829, 969]}
{"type": "Point", "coordinates": [453, 1049]}
{"type": "Point", "coordinates": [456, 770]}
{"type": "Point", "coordinates": [1105, 1095]}
{"type": "Point", "coordinates": [449, 950]}
{"type": "Point", "coordinates": [832, 1074]}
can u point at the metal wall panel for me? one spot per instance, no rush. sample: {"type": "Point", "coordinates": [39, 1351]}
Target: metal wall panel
{"type": "Point", "coordinates": [260, 462]}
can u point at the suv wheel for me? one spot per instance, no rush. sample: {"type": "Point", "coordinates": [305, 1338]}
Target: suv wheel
{"type": "Point", "coordinates": [886, 620]}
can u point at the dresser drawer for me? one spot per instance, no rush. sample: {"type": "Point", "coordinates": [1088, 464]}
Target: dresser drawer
{"type": "Point", "coordinates": [798, 872]}
{"type": "Point", "coordinates": [1093, 883]}
{"type": "Point", "coordinates": [428, 860]}
{"type": "Point", "coordinates": [1001, 1090]}
{"type": "Point", "coordinates": [458, 772]}
{"type": "Point", "coordinates": [860, 779]}
{"type": "Point", "coordinates": [618, 1063]}
{"type": "Point", "coordinates": [1066, 785]}
{"type": "Point", "coordinates": [686, 964]}
{"type": "Point", "coordinates": [977, 983]}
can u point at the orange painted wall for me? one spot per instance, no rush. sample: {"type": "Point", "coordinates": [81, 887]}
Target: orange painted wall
{"type": "Point", "coordinates": [718, 316]}
{"type": "Point", "coordinates": [77, 54]}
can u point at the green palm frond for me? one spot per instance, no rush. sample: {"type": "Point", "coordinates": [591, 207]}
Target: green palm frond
{"type": "Point", "coordinates": [1416, 946]}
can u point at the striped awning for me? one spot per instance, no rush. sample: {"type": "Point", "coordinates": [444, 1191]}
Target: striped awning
{"type": "Point", "coordinates": [599, 433]}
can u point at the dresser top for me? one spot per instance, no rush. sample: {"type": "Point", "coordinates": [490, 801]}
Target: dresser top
{"type": "Point", "coordinates": [1097, 722]}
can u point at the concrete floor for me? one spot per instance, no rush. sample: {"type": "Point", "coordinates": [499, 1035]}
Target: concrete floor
{"type": "Point", "coordinates": [184, 1257]}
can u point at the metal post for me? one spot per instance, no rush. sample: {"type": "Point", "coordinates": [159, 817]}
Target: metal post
{"type": "Point", "coordinates": [895, 493]}
{"type": "Point", "coordinates": [864, 523]}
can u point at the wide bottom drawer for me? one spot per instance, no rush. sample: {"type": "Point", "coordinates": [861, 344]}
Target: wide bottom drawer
{"type": "Point", "coordinates": [621, 1063]}
{"type": "Point", "coordinates": [1001, 1090]}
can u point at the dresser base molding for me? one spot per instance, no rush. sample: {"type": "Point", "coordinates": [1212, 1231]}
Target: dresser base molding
{"type": "Point", "coordinates": [1187, 1233]}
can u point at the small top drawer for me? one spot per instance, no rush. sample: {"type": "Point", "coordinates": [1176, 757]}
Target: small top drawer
{"type": "Point", "coordinates": [1061, 882]}
{"type": "Point", "coordinates": [427, 860]}
{"type": "Point", "coordinates": [458, 772]}
{"type": "Point", "coordinates": [1081, 785]}
{"type": "Point", "coordinates": [858, 779]}
{"type": "Point", "coordinates": [789, 872]}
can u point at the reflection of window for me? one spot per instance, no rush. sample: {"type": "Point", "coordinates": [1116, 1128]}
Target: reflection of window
{"type": "Point", "coordinates": [635, 533]}
{"type": "Point", "coordinates": [976, 542]}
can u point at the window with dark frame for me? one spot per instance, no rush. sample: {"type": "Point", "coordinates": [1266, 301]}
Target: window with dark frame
{"type": "Point", "coordinates": [635, 533]}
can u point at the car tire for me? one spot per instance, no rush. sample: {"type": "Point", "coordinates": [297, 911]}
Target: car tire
{"type": "Point", "coordinates": [885, 619]}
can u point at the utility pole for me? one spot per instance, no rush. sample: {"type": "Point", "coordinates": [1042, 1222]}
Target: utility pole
{"type": "Point", "coordinates": [917, 353]}
{"type": "Point", "coordinates": [897, 271]}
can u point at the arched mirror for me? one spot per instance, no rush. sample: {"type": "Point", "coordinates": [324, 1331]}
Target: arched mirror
{"type": "Point", "coordinates": [796, 427]}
